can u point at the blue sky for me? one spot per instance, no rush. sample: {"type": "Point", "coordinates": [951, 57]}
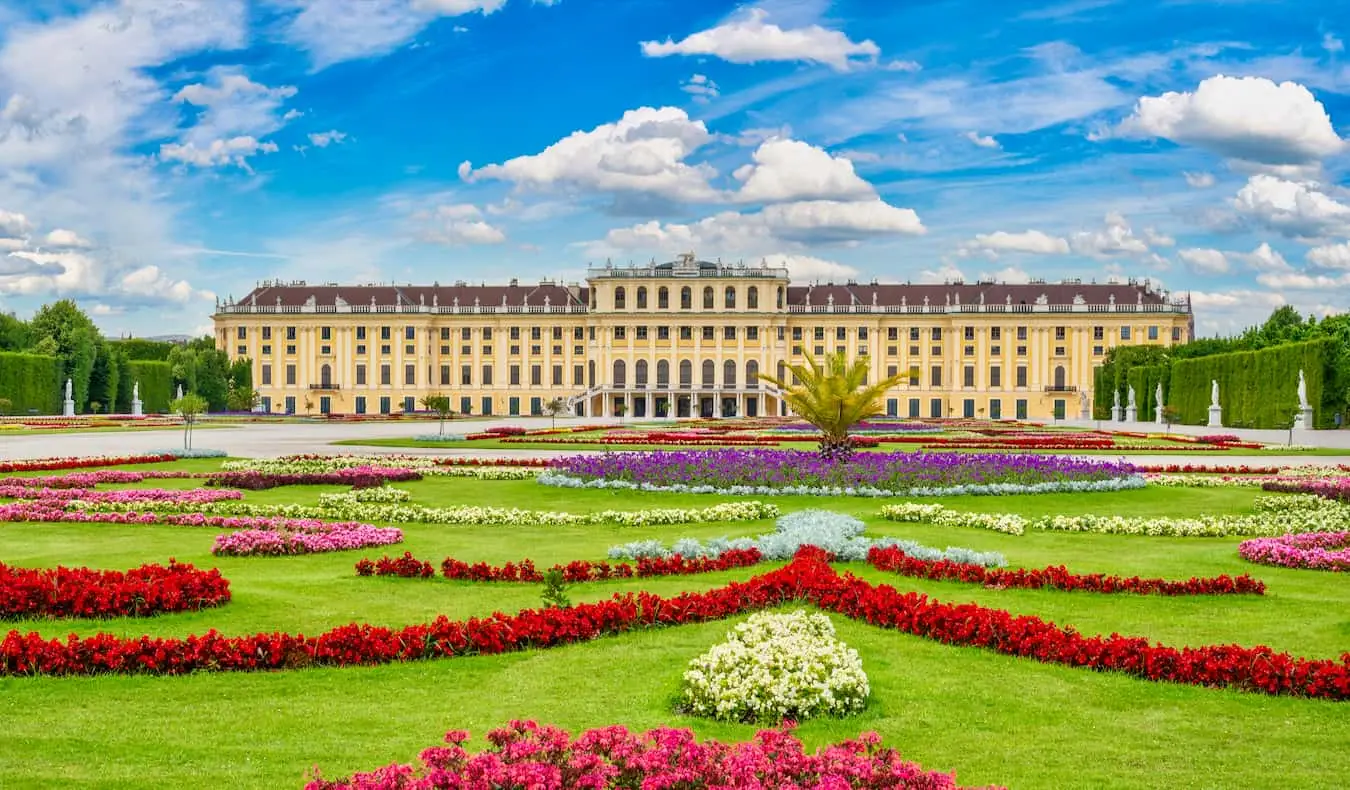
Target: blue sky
{"type": "Point", "coordinates": [158, 154]}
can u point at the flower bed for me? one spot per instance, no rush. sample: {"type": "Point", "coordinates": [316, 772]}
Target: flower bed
{"type": "Point", "coordinates": [79, 496]}
{"type": "Point", "coordinates": [774, 667]}
{"type": "Point", "coordinates": [410, 567]}
{"type": "Point", "coordinates": [324, 464]}
{"type": "Point", "coordinates": [1336, 489]}
{"type": "Point", "coordinates": [1316, 551]}
{"type": "Point", "coordinates": [439, 437]}
{"type": "Point", "coordinates": [88, 462]}
{"type": "Point", "coordinates": [660, 758]}
{"type": "Point", "coordinates": [865, 474]}
{"type": "Point", "coordinates": [356, 477]}
{"type": "Point", "coordinates": [81, 592]}
{"type": "Point", "coordinates": [195, 452]}
{"type": "Point", "coordinates": [838, 534]}
{"type": "Point", "coordinates": [1057, 577]}
{"type": "Point", "coordinates": [807, 578]}
{"type": "Point", "coordinates": [384, 495]}
{"type": "Point", "coordinates": [91, 479]}
{"type": "Point", "coordinates": [276, 543]}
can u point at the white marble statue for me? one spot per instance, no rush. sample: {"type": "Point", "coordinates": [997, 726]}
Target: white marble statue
{"type": "Point", "coordinates": [1116, 403]}
{"type": "Point", "coordinates": [1158, 398]}
{"type": "Point", "coordinates": [136, 391]}
{"type": "Point", "coordinates": [180, 392]}
{"type": "Point", "coordinates": [1302, 390]}
{"type": "Point", "coordinates": [68, 390]}
{"type": "Point", "coordinates": [1131, 400]}
{"type": "Point", "coordinates": [1214, 392]}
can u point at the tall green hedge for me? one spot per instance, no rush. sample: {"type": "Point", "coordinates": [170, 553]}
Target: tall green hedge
{"type": "Point", "coordinates": [156, 380]}
{"type": "Point", "coordinates": [1145, 379]}
{"type": "Point", "coordinates": [31, 381]}
{"type": "Point", "coordinates": [1259, 389]}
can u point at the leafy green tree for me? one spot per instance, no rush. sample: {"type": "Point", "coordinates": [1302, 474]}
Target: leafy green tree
{"type": "Point", "coordinates": [190, 407]}
{"type": "Point", "coordinates": [439, 404]}
{"type": "Point", "coordinates": [140, 348]}
{"type": "Point", "coordinates": [15, 335]}
{"type": "Point", "coordinates": [75, 340]}
{"type": "Point", "coordinates": [833, 396]}
{"type": "Point", "coordinates": [242, 399]}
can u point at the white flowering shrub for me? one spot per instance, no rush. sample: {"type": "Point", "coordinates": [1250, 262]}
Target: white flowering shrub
{"type": "Point", "coordinates": [774, 667]}
{"type": "Point", "coordinates": [837, 533]}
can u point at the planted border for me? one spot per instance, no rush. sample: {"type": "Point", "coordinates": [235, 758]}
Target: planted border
{"type": "Point", "coordinates": [143, 591]}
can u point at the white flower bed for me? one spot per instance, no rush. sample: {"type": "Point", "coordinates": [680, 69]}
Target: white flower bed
{"type": "Point", "coordinates": [837, 533]}
{"type": "Point", "coordinates": [439, 437]}
{"type": "Point", "coordinates": [385, 495]}
{"type": "Point", "coordinates": [552, 478]}
{"type": "Point", "coordinates": [1275, 515]}
{"type": "Point", "coordinates": [425, 464]}
{"type": "Point", "coordinates": [774, 667]}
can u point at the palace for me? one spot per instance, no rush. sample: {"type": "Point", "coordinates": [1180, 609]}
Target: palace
{"type": "Point", "coordinates": [686, 339]}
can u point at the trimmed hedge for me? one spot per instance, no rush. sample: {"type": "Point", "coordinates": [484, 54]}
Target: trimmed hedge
{"type": "Point", "coordinates": [156, 380]}
{"type": "Point", "coordinates": [1145, 380]}
{"type": "Point", "coordinates": [1259, 389]}
{"type": "Point", "coordinates": [31, 381]}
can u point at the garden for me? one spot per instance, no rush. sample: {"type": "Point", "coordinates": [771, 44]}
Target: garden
{"type": "Point", "coordinates": [697, 616]}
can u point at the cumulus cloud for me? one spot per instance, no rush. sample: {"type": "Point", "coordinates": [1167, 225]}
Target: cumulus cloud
{"type": "Point", "coordinates": [1203, 260]}
{"type": "Point", "coordinates": [458, 224]}
{"type": "Point", "coordinates": [644, 151]}
{"type": "Point", "coordinates": [750, 39]}
{"type": "Point", "coordinates": [234, 113]}
{"type": "Point", "coordinates": [1301, 281]}
{"type": "Point", "coordinates": [1199, 180]}
{"type": "Point", "coordinates": [807, 267]}
{"type": "Point", "coordinates": [1116, 238]}
{"type": "Point", "coordinates": [1263, 259]}
{"type": "Point", "coordinates": [786, 170]}
{"type": "Point", "coordinates": [325, 139]}
{"type": "Point", "coordinates": [701, 88]}
{"type": "Point", "coordinates": [1249, 118]}
{"type": "Point", "coordinates": [1228, 312]}
{"type": "Point", "coordinates": [14, 224]}
{"type": "Point", "coordinates": [233, 151]}
{"type": "Point", "coordinates": [983, 141]}
{"type": "Point", "coordinates": [1296, 209]}
{"type": "Point", "coordinates": [1030, 241]}
{"type": "Point", "coordinates": [60, 237]}
{"type": "Point", "coordinates": [1331, 256]}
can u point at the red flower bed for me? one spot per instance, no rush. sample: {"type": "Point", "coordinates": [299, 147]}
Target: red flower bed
{"type": "Point", "coordinates": [82, 592]}
{"type": "Point", "coordinates": [409, 566]}
{"type": "Point", "coordinates": [807, 578]}
{"type": "Point", "coordinates": [356, 477]}
{"type": "Point", "coordinates": [526, 754]}
{"type": "Point", "coordinates": [1333, 488]}
{"type": "Point", "coordinates": [1057, 577]}
{"type": "Point", "coordinates": [48, 464]}
{"type": "Point", "coordinates": [507, 430]}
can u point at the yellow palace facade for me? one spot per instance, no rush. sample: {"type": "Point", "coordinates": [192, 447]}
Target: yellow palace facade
{"type": "Point", "coordinates": [685, 339]}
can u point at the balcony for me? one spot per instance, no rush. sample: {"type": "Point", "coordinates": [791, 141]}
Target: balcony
{"type": "Point", "coordinates": [1060, 388]}
{"type": "Point", "coordinates": [330, 387]}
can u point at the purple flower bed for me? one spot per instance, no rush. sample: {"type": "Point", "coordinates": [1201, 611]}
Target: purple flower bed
{"type": "Point", "coordinates": [788, 468]}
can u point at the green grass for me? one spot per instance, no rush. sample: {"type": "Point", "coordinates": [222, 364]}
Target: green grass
{"type": "Point", "coordinates": [991, 718]}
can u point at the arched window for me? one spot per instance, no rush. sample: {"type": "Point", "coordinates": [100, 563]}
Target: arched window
{"type": "Point", "coordinates": [619, 297]}
{"type": "Point", "coordinates": [620, 374]}
{"type": "Point", "coordinates": [731, 297]}
{"type": "Point", "coordinates": [729, 374]}
{"type": "Point", "coordinates": [1059, 377]}
{"type": "Point", "coordinates": [752, 373]}
{"type": "Point", "coordinates": [709, 374]}
{"type": "Point", "coordinates": [686, 374]}
{"type": "Point", "coordinates": [752, 298]}
{"type": "Point", "coordinates": [663, 298]}
{"type": "Point", "coordinates": [642, 297]}
{"type": "Point", "coordinates": [780, 297]}
{"type": "Point", "coordinates": [686, 298]}
{"type": "Point", "coordinates": [708, 298]}
{"type": "Point", "coordinates": [326, 376]}
{"type": "Point", "coordinates": [640, 373]}
{"type": "Point", "coordinates": [663, 374]}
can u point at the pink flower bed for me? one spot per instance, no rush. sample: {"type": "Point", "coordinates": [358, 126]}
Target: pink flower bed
{"type": "Point", "coordinates": [91, 479]}
{"type": "Point", "coordinates": [194, 496]}
{"type": "Point", "coordinates": [530, 755]}
{"type": "Point", "coordinates": [1322, 551]}
{"type": "Point", "coordinates": [344, 537]}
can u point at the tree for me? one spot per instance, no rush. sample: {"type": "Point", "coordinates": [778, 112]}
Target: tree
{"type": "Point", "coordinates": [64, 328]}
{"type": "Point", "coordinates": [15, 335]}
{"type": "Point", "coordinates": [5, 405]}
{"type": "Point", "coordinates": [242, 399]}
{"type": "Point", "coordinates": [439, 404]}
{"type": "Point", "coordinates": [189, 407]}
{"type": "Point", "coordinates": [833, 396]}
{"type": "Point", "coordinates": [555, 407]}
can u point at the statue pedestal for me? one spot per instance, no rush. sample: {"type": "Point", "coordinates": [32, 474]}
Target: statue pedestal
{"type": "Point", "coordinates": [1131, 414]}
{"type": "Point", "coordinates": [1303, 419]}
{"type": "Point", "coordinates": [1116, 413]}
{"type": "Point", "coordinates": [136, 409]}
{"type": "Point", "coordinates": [1086, 413]}
{"type": "Point", "coordinates": [1158, 418]}
{"type": "Point", "coordinates": [1215, 417]}
{"type": "Point", "coordinates": [68, 408]}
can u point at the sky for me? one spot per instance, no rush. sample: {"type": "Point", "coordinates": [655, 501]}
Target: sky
{"type": "Point", "coordinates": [159, 155]}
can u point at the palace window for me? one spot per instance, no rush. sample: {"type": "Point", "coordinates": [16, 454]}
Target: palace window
{"type": "Point", "coordinates": [752, 298]}
{"type": "Point", "coordinates": [663, 298]}
{"type": "Point", "coordinates": [642, 297]}
{"type": "Point", "coordinates": [619, 298]}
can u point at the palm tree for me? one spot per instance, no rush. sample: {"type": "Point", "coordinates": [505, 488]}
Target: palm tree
{"type": "Point", "coordinates": [833, 395]}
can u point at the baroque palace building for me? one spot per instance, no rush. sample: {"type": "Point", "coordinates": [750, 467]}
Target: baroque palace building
{"type": "Point", "coordinates": [686, 339]}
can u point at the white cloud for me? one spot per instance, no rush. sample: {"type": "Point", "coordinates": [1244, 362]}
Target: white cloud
{"type": "Point", "coordinates": [832, 220]}
{"type": "Point", "coordinates": [902, 65]}
{"type": "Point", "coordinates": [1203, 260]}
{"type": "Point", "coordinates": [1199, 180]}
{"type": "Point", "coordinates": [644, 151]}
{"type": "Point", "coordinates": [1116, 238]}
{"type": "Point", "coordinates": [324, 139]}
{"type": "Point", "coordinates": [235, 151]}
{"type": "Point", "coordinates": [336, 30]}
{"type": "Point", "coordinates": [701, 88]}
{"type": "Point", "coordinates": [1331, 256]}
{"type": "Point", "coordinates": [1229, 312]}
{"type": "Point", "coordinates": [1249, 118]}
{"type": "Point", "coordinates": [1299, 281]}
{"type": "Point", "coordinates": [149, 282]}
{"type": "Point", "coordinates": [786, 170]}
{"type": "Point", "coordinates": [947, 272]}
{"type": "Point", "coordinates": [13, 224]}
{"type": "Point", "coordinates": [806, 267]}
{"type": "Point", "coordinates": [1292, 208]}
{"type": "Point", "coordinates": [1332, 44]}
{"type": "Point", "coordinates": [750, 39]}
{"type": "Point", "coordinates": [1155, 239]}
{"type": "Point", "coordinates": [1031, 241]}
{"type": "Point", "coordinates": [60, 237]}
{"type": "Point", "coordinates": [458, 223]}
{"type": "Point", "coordinates": [983, 141]}
{"type": "Point", "coordinates": [1008, 274]}
{"type": "Point", "coordinates": [1263, 259]}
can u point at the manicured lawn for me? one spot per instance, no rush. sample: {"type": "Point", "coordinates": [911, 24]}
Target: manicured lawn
{"type": "Point", "coordinates": [992, 718]}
